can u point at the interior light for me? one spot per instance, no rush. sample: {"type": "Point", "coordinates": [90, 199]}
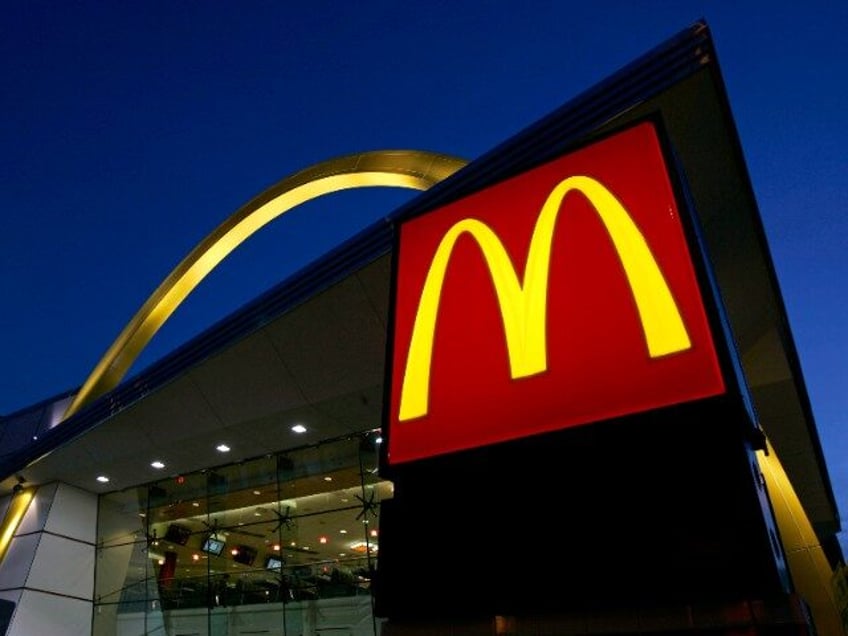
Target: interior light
{"type": "Point", "coordinates": [342, 531]}
{"type": "Point", "coordinates": [379, 440]}
{"type": "Point", "coordinates": [257, 514]}
{"type": "Point", "coordinates": [373, 532]}
{"type": "Point", "coordinates": [322, 539]}
{"type": "Point", "coordinates": [298, 428]}
{"type": "Point", "coordinates": [234, 551]}
{"type": "Point", "coordinates": [328, 478]}
{"type": "Point", "coordinates": [195, 557]}
{"type": "Point", "coordinates": [103, 479]}
{"type": "Point", "coordinates": [157, 464]}
{"type": "Point", "coordinates": [256, 492]}
{"type": "Point", "coordinates": [195, 504]}
{"type": "Point", "coordinates": [222, 448]}
{"type": "Point", "coordinates": [277, 546]}
{"type": "Point", "coordinates": [161, 561]}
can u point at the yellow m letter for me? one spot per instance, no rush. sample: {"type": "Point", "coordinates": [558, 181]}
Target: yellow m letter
{"type": "Point", "coordinates": [523, 305]}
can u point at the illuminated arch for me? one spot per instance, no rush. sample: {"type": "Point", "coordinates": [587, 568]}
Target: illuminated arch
{"type": "Point", "coordinates": [413, 169]}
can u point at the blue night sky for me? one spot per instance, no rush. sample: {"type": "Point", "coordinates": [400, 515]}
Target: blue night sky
{"type": "Point", "coordinates": [129, 130]}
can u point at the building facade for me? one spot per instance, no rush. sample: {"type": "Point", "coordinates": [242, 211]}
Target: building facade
{"type": "Point", "coordinates": [262, 478]}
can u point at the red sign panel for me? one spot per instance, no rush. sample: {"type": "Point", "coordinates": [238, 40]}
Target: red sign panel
{"type": "Point", "coordinates": [563, 296]}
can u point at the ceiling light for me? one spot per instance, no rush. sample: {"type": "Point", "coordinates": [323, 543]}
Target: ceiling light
{"type": "Point", "coordinates": [342, 531]}
{"type": "Point", "coordinates": [222, 448]}
{"type": "Point", "coordinates": [157, 464]}
{"type": "Point", "coordinates": [256, 492]}
{"type": "Point", "coordinates": [298, 428]}
{"type": "Point", "coordinates": [322, 539]}
{"type": "Point", "coordinates": [195, 504]}
{"type": "Point", "coordinates": [103, 479]}
{"type": "Point", "coordinates": [328, 478]}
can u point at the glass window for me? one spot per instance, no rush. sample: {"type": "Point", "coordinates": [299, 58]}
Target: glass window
{"type": "Point", "coordinates": [282, 543]}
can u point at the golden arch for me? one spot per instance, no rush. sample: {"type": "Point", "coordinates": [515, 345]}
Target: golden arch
{"type": "Point", "coordinates": [523, 305]}
{"type": "Point", "coordinates": [413, 169]}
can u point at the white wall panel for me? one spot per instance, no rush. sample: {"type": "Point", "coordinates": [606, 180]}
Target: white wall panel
{"type": "Point", "coordinates": [63, 566]}
{"type": "Point", "coordinates": [39, 509]}
{"type": "Point", "coordinates": [41, 614]}
{"type": "Point", "coordinates": [74, 514]}
{"type": "Point", "coordinates": [15, 566]}
{"type": "Point", "coordinates": [11, 595]}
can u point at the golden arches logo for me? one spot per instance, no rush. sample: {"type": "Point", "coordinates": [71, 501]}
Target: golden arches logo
{"type": "Point", "coordinates": [523, 304]}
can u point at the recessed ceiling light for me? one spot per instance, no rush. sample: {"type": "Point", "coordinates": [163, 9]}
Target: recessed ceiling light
{"type": "Point", "coordinates": [222, 448]}
{"type": "Point", "coordinates": [157, 464]}
{"type": "Point", "coordinates": [298, 428]}
{"type": "Point", "coordinates": [103, 479]}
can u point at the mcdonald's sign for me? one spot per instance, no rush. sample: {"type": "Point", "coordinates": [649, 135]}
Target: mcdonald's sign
{"type": "Point", "coordinates": [563, 296]}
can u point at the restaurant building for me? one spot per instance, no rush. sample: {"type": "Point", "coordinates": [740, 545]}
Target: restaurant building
{"type": "Point", "coordinates": [555, 393]}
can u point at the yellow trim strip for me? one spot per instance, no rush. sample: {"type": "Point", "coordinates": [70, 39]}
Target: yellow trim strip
{"type": "Point", "coordinates": [808, 565]}
{"type": "Point", "coordinates": [523, 306]}
{"type": "Point", "coordinates": [413, 169]}
{"type": "Point", "coordinates": [14, 515]}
